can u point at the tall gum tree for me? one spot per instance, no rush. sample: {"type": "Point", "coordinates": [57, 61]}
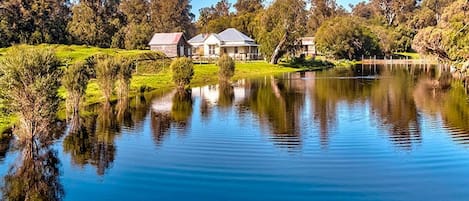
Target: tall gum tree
{"type": "Point", "coordinates": [280, 26]}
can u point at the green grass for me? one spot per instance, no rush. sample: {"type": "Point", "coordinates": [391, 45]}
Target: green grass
{"type": "Point", "coordinates": [411, 55]}
{"type": "Point", "coordinates": [74, 53]}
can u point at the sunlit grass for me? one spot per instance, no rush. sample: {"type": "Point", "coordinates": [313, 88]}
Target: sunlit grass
{"type": "Point", "coordinates": [410, 55]}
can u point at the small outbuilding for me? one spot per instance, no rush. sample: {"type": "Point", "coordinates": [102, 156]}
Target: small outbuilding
{"type": "Point", "coordinates": [308, 46]}
{"type": "Point", "coordinates": [172, 44]}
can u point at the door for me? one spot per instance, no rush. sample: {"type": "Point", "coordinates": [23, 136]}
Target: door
{"type": "Point", "coordinates": [181, 51]}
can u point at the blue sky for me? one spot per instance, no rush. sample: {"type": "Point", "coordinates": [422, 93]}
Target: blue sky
{"type": "Point", "coordinates": [198, 4]}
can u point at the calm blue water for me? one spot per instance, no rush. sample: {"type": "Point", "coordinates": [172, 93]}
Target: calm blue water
{"type": "Point", "coordinates": [335, 135]}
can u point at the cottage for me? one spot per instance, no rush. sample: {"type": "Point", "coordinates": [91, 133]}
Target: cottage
{"type": "Point", "coordinates": [230, 41]}
{"type": "Point", "coordinates": [172, 44]}
{"type": "Point", "coordinates": [308, 47]}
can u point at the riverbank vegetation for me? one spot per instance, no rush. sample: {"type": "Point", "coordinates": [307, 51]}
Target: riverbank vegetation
{"type": "Point", "coordinates": [156, 75]}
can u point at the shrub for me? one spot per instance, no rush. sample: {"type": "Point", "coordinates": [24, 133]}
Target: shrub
{"type": "Point", "coordinates": [106, 73]}
{"type": "Point", "coordinates": [30, 80]}
{"type": "Point", "coordinates": [75, 81]}
{"type": "Point", "coordinates": [183, 70]}
{"type": "Point", "coordinates": [125, 68]}
{"type": "Point", "coordinates": [227, 67]}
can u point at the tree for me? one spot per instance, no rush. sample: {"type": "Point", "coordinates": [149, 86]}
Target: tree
{"type": "Point", "coordinates": [95, 22]}
{"type": "Point", "coordinates": [137, 31]}
{"type": "Point", "coordinates": [222, 8]}
{"type": "Point", "coordinates": [248, 6]}
{"type": "Point", "coordinates": [30, 80]}
{"type": "Point", "coordinates": [183, 70]}
{"type": "Point", "coordinates": [172, 16]}
{"type": "Point", "coordinates": [215, 18]}
{"type": "Point", "coordinates": [50, 21]}
{"type": "Point", "coordinates": [345, 37]}
{"type": "Point", "coordinates": [449, 39]}
{"type": "Point", "coordinates": [75, 81]}
{"type": "Point", "coordinates": [226, 67]}
{"type": "Point", "coordinates": [106, 72]}
{"type": "Point", "coordinates": [246, 12]}
{"type": "Point", "coordinates": [394, 12]}
{"type": "Point", "coordinates": [125, 68]}
{"type": "Point", "coordinates": [322, 10]}
{"type": "Point", "coordinates": [86, 26]}
{"type": "Point", "coordinates": [363, 9]}
{"type": "Point", "coordinates": [33, 21]}
{"type": "Point", "coordinates": [280, 26]}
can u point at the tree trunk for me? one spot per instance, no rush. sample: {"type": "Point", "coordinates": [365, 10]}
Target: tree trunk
{"type": "Point", "coordinates": [276, 55]}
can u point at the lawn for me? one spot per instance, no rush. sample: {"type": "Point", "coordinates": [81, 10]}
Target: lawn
{"type": "Point", "coordinates": [410, 55]}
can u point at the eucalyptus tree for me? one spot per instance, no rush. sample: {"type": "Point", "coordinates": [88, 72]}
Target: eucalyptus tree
{"type": "Point", "coordinates": [394, 12]}
{"type": "Point", "coordinates": [449, 39]}
{"type": "Point", "coordinates": [280, 26]}
{"type": "Point", "coordinates": [322, 10]}
{"type": "Point", "coordinates": [245, 16]}
{"type": "Point", "coordinates": [137, 31]}
{"type": "Point", "coordinates": [33, 21]}
{"type": "Point", "coordinates": [346, 37]}
{"type": "Point", "coordinates": [172, 16]}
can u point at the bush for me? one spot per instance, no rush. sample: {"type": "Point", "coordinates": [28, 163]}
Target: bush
{"type": "Point", "coordinates": [75, 81]}
{"type": "Point", "coordinates": [151, 62]}
{"type": "Point", "coordinates": [183, 70]}
{"type": "Point", "coordinates": [227, 67]}
{"type": "Point", "coordinates": [125, 68]}
{"type": "Point", "coordinates": [106, 73]}
{"type": "Point", "coordinates": [29, 82]}
{"type": "Point", "coordinates": [346, 38]}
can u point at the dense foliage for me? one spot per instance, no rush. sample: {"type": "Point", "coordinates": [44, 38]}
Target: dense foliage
{"type": "Point", "coordinates": [124, 23]}
{"type": "Point", "coordinates": [449, 38]}
{"type": "Point", "coordinates": [106, 74]}
{"type": "Point", "coordinates": [397, 25]}
{"type": "Point", "coordinates": [345, 37]}
{"type": "Point", "coordinates": [29, 80]}
{"type": "Point", "coordinates": [226, 67]}
{"type": "Point", "coordinates": [75, 81]}
{"type": "Point", "coordinates": [183, 70]}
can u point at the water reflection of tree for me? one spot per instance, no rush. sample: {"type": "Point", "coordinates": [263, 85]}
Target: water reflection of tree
{"type": "Point", "coordinates": [37, 175]}
{"type": "Point", "coordinates": [451, 103]}
{"type": "Point", "coordinates": [160, 125]}
{"type": "Point", "coordinates": [225, 95]}
{"type": "Point", "coordinates": [181, 111]}
{"type": "Point", "coordinates": [278, 104]}
{"type": "Point", "coordinates": [93, 141]}
{"type": "Point", "coordinates": [36, 178]}
{"type": "Point", "coordinates": [393, 104]}
{"type": "Point", "coordinates": [330, 88]}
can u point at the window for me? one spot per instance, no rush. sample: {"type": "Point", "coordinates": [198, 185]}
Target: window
{"type": "Point", "coordinates": [236, 50]}
{"type": "Point", "coordinates": [211, 49]}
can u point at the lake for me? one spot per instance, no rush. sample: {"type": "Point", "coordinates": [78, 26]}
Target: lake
{"type": "Point", "coordinates": [360, 133]}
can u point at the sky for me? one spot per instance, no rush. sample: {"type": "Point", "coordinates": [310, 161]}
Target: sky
{"type": "Point", "coordinates": [198, 4]}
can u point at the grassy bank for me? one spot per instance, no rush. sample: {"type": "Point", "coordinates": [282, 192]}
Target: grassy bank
{"type": "Point", "coordinates": [204, 74]}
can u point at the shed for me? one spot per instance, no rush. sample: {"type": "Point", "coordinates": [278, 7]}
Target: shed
{"type": "Point", "coordinates": [172, 44]}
